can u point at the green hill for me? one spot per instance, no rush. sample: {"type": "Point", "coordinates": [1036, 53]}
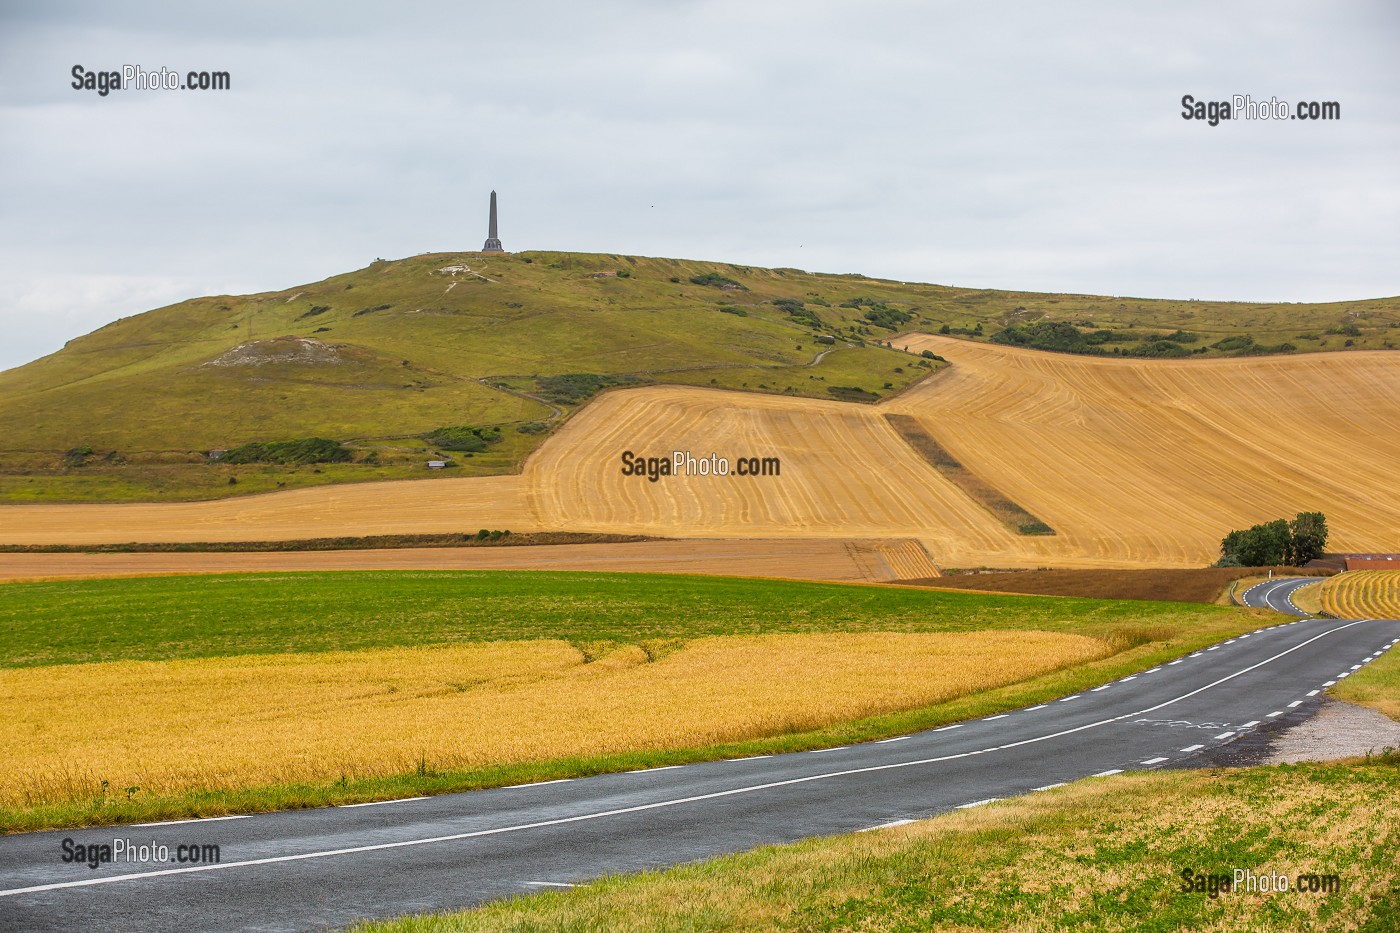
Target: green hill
{"type": "Point", "coordinates": [474, 358]}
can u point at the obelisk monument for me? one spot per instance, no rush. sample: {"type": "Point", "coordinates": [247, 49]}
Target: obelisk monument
{"type": "Point", "coordinates": [493, 243]}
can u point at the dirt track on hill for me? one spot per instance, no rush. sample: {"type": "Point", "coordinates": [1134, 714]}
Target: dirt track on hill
{"type": "Point", "coordinates": [1133, 463]}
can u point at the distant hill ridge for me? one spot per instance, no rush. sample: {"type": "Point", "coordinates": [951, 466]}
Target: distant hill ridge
{"type": "Point", "coordinates": [381, 357]}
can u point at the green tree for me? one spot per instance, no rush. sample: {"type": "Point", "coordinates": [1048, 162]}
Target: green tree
{"type": "Point", "coordinates": [1265, 545]}
{"type": "Point", "coordinates": [1308, 538]}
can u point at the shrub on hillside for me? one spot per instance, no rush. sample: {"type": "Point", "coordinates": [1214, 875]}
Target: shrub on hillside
{"type": "Point", "coordinates": [579, 387]}
{"type": "Point", "coordinates": [879, 313]}
{"type": "Point", "coordinates": [852, 394]}
{"type": "Point", "coordinates": [1055, 336]}
{"type": "Point", "coordinates": [1237, 342]}
{"type": "Point", "coordinates": [465, 437]}
{"type": "Point", "coordinates": [303, 450]}
{"type": "Point", "coordinates": [713, 280]}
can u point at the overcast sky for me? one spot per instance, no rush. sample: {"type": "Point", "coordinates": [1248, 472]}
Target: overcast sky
{"type": "Point", "coordinates": [1008, 145]}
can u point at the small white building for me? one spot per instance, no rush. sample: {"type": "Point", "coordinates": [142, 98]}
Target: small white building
{"type": "Point", "coordinates": [437, 464]}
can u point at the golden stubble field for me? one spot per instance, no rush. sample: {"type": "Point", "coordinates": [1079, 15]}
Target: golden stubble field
{"type": "Point", "coordinates": [226, 723]}
{"type": "Point", "coordinates": [1360, 594]}
{"type": "Point", "coordinates": [1134, 463]}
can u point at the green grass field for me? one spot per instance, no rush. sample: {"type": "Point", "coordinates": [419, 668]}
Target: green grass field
{"type": "Point", "coordinates": [157, 618]}
{"type": "Point", "coordinates": [405, 348]}
{"type": "Point", "coordinates": [1099, 855]}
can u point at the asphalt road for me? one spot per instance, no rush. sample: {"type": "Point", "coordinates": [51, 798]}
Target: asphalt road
{"type": "Point", "coordinates": [315, 869]}
{"type": "Point", "coordinates": [1277, 594]}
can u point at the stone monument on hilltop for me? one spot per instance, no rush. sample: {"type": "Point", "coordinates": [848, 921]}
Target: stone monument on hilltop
{"type": "Point", "coordinates": [493, 243]}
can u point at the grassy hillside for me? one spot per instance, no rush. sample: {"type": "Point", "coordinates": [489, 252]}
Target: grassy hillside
{"type": "Point", "coordinates": [381, 357]}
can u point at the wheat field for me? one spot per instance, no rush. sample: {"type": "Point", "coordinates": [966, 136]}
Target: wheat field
{"type": "Point", "coordinates": [1134, 463]}
{"type": "Point", "coordinates": [1361, 594]}
{"type": "Point", "coordinates": [226, 723]}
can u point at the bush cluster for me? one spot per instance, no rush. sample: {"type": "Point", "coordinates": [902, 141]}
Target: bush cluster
{"type": "Point", "coordinates": [879, 313]}
{"type": "Point", "coordinates": [714, 280]}
{"type": "Point", "coordinates": [579, 387]}
{"type": "Point", "coordinates": [465, 437]}
{"type": "Point", "coordinates": [303, 450]}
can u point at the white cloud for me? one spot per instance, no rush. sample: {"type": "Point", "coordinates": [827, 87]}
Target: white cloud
{"type": "Point", "coordinates": [1015, 145]}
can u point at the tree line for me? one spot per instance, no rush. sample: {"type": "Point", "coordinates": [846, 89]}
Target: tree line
{"type": "Point", "coordinates": [1276, 543]}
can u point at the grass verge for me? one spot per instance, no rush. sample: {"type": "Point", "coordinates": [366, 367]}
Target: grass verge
{"type": "Point", "coordinates": [1376, 685]}
{"type": "Point", "coordinates": [1102, 854]}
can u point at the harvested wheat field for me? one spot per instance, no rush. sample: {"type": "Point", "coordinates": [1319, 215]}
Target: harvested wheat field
{"type": "Point", "coordinates": [1360, 594]}
{"type": "Point", "coordinates": [1133, 463]}
{"type": "Point", "coordinates": [1152, 461]}
{"type": "Point", "coordinates": [224, 723]}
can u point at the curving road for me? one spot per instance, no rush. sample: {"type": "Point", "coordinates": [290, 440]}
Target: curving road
{"type": "Point", "coordinates": [328, 867]}
{"type": "Point", "coordinates": [1277, 594]}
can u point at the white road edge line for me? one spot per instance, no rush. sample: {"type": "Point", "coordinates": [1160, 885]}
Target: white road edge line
{"type": "Point", "coordinates": [818, 751]}
{"type": "Point", "coordinates": [537, 783]}
{"type": "Point", "coordinates": [377, 803]}
{"type": "Point", "coordinates": [1193, 748]}
{"type": "Point", "coordinates": [976, 803]}
{"type": "Point", "coordinates": [1153, 761]}
{"type": "Point", "coordinates": [549, 884]}
{"type": "Point", "coordinates": [196, 819]}
{"type": "Point", "coordinates": [650, 770]}
{"type": "Point", "coordinates": [900, 738]}
{"type": "Point", "coordinates": [1249, 725]}
{"type": "Point", "coordinates": [1048, 786]}
{"type": "Point", "coordinates": [890, 825]}
{"type": "Point", "coordinates": [660, 804]}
